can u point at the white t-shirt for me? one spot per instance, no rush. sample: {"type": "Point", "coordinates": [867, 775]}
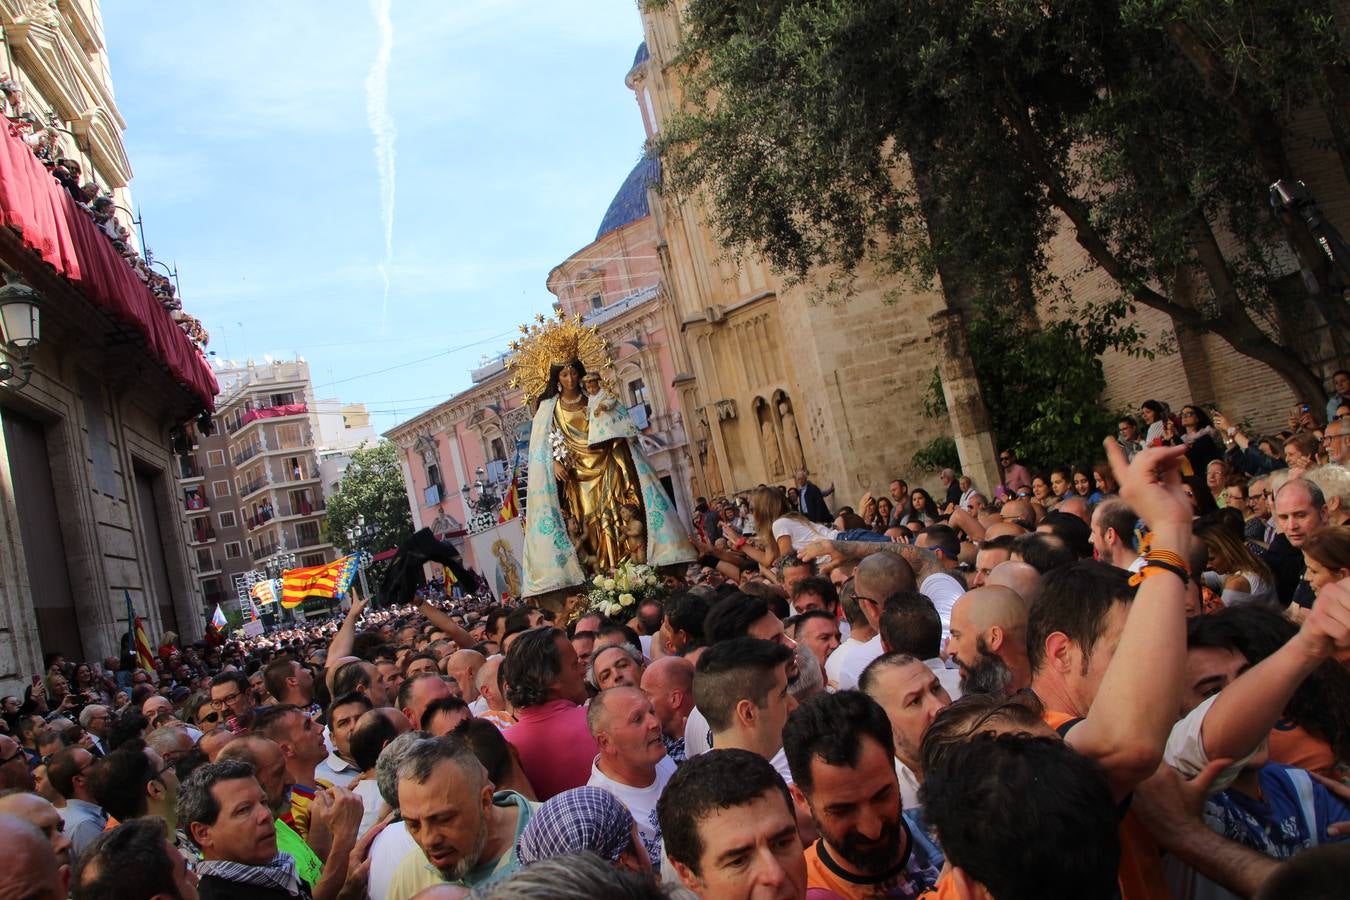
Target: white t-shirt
{"type": "Point", "coordinates": [371, 802]}
{"type": "Point", "coordinates": [780, 763]}
{"type": "Point", "coordinates": [801, 532]}
{"type": "Point", "coordinates": [853, 665]}
{"type": "Point", "coordinates": [641, 802]}
{"type": "Point", "coordinates": [944, 591]}
{"type": "Point", "coordinates": [386, 852]}
{"type": "Point", "coordinates": [697, 734]}
{"type": "Point", "coordinates": [948, 678]}
{"type": "Point", "coordinates": [835, 662]}
{"type": "Point", "coordinates": [909, 786]}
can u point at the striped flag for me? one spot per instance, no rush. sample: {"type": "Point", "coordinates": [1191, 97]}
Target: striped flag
{"type": "Point", "coordinates": [329, 580]}
{"type": "Point", "coordinates": [218, 621]}
{"type": "Point", "coordinates": [145, 656]}
{"type": "Point", "coordinates": [511, 504]}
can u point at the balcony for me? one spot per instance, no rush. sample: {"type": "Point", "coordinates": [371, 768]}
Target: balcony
{"type": "Point", "coordinates": [200, 533]}
{"type": "Point", "coordinates": [265, 551]}
{"type": "Point", "coordinates": [196, 501]}
{"type": "Point", "coordinates": [304, 506]}
{"type": "Point", "coordinates": [269, 412]}
{"type": "Point", "coordinates": [208, 565]}
{"type": "Point", "coordinates": [247, 453]}
{"type": "Point", "coordinates": [261, 518]}
{"type": "Point", "coordinates": [309, 534]}
{"type": "Point", "coordinates": [432, 494]}
{"type": "Point", "coordinates": [254, 486]}
{"type": "Point", "coordinates": [188, 470]}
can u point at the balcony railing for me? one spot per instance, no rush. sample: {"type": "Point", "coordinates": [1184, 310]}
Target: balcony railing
{"type": "Point", "coordinates": [207, 565]}
{"type": "Point", "coordinates": [269, 412]}
{"type": "Point", "coordinates": [200, 534]}
{"type": "Point", "coordinates": [195, 502]}
{"type": "Point", "coordinates": [256, 484]}
{"type": "Point", "coordinates": [188, 468]}
{"type": "Point", "coordinates": [308, 537]}
{"type": "Point", "coordinates": [247, 453]}
{"type": "Point", "coordinates": [260, 519]}
{"type": "Point", "coordinates": [265, 551]}
{"type": "Point", "coordinates": [305, 507]}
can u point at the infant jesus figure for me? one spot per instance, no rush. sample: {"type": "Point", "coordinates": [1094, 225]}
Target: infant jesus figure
{"type": "Point", "coordinates": [634, 532]}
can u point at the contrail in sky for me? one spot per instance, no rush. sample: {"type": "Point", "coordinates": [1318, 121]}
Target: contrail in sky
{"type": "Point", "coordinates": [382, 126]}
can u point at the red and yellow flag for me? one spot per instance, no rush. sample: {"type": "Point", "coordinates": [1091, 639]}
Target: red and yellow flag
{"type": "Point", "coordinates": [329, 580]}
{"type": "Point", "coordinates": [510, 504]}
{"type": "Point", "coordinates": [145, 655]}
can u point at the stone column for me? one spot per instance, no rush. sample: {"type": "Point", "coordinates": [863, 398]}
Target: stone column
{"type": "Point", "coordinates": [971, 426]}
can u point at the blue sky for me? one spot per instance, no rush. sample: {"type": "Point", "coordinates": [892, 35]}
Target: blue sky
{"type": "Point", "coordinates": [249, 134]}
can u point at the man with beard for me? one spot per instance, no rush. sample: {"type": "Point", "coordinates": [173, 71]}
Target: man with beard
{"type": "Point", "coordinates": [466, 831]}
{"type": "Point", "coordinates": [989, 641]}
{"type": "Point", "coordinates": [841, 752]}
{"type": "Point", "coordinates": [911, 696]}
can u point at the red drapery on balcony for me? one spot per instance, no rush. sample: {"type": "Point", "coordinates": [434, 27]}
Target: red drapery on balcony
{"type": "Point", "coordinates": [66, 237]}
{"type": "Point", "coordinates": [271, 412]}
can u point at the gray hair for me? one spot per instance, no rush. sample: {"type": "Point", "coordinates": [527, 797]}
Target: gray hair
{"type": "Point", "coordinates": [422, 758]}
{"type": "Point", "coordinates": [195, 803]}
{"type": "Point", "coordinates": [634, 655]}
{"type": "Point", "coordinates": [810, 681]}
{"type": "Point", "coordinates": [1333, 481]}
{"type": "Point", "coordinates": [391, 757]}
{"type": "Point", "coordinates": [575, 876]}
{"type": "Point", "coordinates": [87, 714]}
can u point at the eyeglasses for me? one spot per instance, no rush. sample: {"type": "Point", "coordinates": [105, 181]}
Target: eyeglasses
{"type": "Point", "coordinates": [225, 701]}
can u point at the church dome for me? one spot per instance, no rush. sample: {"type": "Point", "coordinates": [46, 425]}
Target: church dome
{"type": "Point", "coordinates": [630, 203]}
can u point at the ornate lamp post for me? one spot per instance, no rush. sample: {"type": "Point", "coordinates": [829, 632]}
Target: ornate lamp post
{"type": "Point", "coordinates": [359, 538]}
{"type": "Point", "coordinates": [482, 501]}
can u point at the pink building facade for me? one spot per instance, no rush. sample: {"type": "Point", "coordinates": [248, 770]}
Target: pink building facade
{"type": "Point", "coordinates": [460, 455]}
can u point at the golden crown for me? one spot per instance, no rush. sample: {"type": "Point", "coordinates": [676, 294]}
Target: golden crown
{"type": "Point", "coordinates": [551, 342]}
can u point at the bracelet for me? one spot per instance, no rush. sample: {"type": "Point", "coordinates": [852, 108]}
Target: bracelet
{"type": "Point", "coordinates": [741, 543]}
{"type": "Point", "coordinates": [1169, 557]}
{"type": "Point", "coordinates": [1153, 567]}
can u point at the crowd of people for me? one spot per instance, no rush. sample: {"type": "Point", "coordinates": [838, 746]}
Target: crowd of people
{"type": "Point", "coordinates": [1123, 680]}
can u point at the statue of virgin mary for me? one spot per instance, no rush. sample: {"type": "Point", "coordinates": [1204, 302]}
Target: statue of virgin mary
{"type": "Point", "coordinates": [594, 501]}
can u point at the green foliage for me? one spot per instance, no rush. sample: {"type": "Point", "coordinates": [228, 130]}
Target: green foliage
{"type": "Point", "coordinates": [372, 486]}
{"type": "Point", "coordinates": [933, 137]}
{"type": "Point", "coordinates": [1043, 388]}
{"type": "Point", "coordinates": [939, 453]}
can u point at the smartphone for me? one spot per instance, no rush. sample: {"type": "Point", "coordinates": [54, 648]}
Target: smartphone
{"type": "Point", "coordinates": [36, 679]}
{"type": "Point", "coordinates": [1304, 408]}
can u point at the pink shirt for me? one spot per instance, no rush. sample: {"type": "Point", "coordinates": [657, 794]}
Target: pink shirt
{"type": "Point", "coordinates": [555, 746]}
{"type": "Point", "coordinates": [1016, 476]}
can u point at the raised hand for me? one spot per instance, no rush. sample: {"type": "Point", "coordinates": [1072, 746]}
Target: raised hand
{"type": "Point", "coordinates": [1151, 485]}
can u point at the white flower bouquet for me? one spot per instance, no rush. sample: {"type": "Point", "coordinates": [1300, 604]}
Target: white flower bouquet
{"type": "Point", "coordinates": [558, 447]}
{"type": "Point", "coordinates": [616, 595]}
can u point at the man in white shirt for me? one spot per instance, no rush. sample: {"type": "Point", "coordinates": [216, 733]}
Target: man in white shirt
{"type": "Point", "coordinates": [741, 687]}
{"type": "Point", "coordinates": [912, 696]}
{"type": "Point", "coordinates": [632, 763]}
{"type": "Point", "coordinates": [879, 576]}
{"type": "Point", "coordinates": [393, 843]}
{"type": "Point", "coordinates": [860, 633]}
{"type": "Point", "coordinates": [463, 667]}
{"type": "Point", "coordinates": [1112, 535]}
{"type": "Point", "coordinates": [910, 625]}
{"type": "Point", "coordinates": [339, 767]}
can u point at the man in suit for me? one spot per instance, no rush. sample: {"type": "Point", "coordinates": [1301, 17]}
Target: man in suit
{"type": "Point", "coordinates": [811, 499]}
{"type": "Point", "coordinates": [97, 721]}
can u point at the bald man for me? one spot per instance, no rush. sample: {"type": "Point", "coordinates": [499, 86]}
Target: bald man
{"type": "Point", "coordinates": [989, 641]}
{"type": "Point", "coordinates": [1075, 506]}
{"type": "Point", "coordinates": [40, 813]}
{"type": "Point", "coordinates": [29, 869]}
{"type": "Point", "coordinates": [1022, 577]}
{"type": "Point", "coordinates": [878, 576]}
{"type": "Point", "coordinates": [463, 666]}
{"type": "Point", "coordinates": [669, 684]}
{"type": "Point", "coordinates": [214, 741]}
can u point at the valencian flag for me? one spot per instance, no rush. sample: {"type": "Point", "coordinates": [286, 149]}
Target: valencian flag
{"type": "Point", "coordinates": [267, 591]}
{"type": "Point", "coordinates": [329, 580]}
{"type": "Point", "coordinates": [511, 504]}
{"type": "Point", "coordinates": [136, 637]}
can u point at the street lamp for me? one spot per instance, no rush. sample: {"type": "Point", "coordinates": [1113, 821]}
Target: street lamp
{"type": "Point", "coordinates": [359, 537]}
{"type": "Point", "coordinates": [482, 500]}
{"type": "Point", "coordinates": [20, 321]}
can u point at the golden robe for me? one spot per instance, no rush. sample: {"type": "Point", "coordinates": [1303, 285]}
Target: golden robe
{"type": "Point", "coordinates": [599, 481]}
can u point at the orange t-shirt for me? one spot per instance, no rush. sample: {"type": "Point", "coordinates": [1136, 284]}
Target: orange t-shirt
{"type": "Point", "coordinates": [945, 889]}
{"type": "Point", "coordinates": [1140, 875]}
{"type": "Point", "coordinates": [909, 879]}
{"type": "Point", "coordinates": [1292, 745]}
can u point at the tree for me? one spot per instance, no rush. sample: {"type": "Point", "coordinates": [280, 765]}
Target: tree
{"type": "Point", "coordinates": [372, 486]}
{"type": "Point", "coordinates": [930, 136]}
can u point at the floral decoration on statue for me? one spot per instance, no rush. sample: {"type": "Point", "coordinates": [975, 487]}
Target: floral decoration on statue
{"type": "Point", "coordinates": [617, 595]}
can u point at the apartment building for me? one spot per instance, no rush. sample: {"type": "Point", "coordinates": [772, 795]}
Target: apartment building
{"type": "Point", "coordinates": [252, 491]}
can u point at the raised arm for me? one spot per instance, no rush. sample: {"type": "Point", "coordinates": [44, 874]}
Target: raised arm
{"type": "Point", "coordinates": [967, 523]}
{"type": "Point", "coordinates": [1244, 712]}
{"type": "Point", "coordinates": [1140, 693]}
{"type": "Point", "coordinates": [445, 623]}
{"type": "Point", "coordinates": [832, 553]}
{"type": "Point", "coordinates": [341, 645]}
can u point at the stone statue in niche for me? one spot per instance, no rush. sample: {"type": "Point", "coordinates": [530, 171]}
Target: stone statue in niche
{"type": "Point", "coordinates": [771, 451]}
{"type": "Point", "coordinates": [791, 438]}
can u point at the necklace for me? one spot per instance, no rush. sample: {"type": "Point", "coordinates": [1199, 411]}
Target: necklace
{"type": "Point", "coordinates": [572, 405]}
